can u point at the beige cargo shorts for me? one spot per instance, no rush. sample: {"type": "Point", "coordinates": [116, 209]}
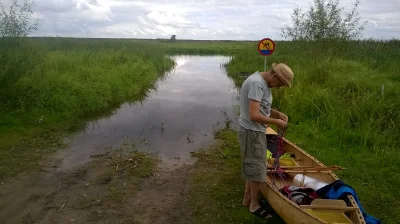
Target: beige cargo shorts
{"type": "Point", "coordinates": [253, 146]}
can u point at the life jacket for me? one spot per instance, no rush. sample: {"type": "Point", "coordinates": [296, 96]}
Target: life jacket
{"type": "Point", "coordinates": [299, 195]}
{"type": "Point", "coordinates": [339, 190]}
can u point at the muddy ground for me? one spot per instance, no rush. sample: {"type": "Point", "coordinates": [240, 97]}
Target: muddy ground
{"type": "Point", "coordinates": [116, 187]}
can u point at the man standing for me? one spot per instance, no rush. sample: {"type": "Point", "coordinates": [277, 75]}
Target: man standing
{"type": "Point", "coordinates": [255, 115]}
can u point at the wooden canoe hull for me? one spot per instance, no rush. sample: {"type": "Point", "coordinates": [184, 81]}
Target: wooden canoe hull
{"type": "Point", "coordinates": [286, 209]}
{"type": "Point", "coordinates": [289, 211]}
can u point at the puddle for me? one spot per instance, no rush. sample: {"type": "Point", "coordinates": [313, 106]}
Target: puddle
{"type": "Point", "coordinates": [177, 118]}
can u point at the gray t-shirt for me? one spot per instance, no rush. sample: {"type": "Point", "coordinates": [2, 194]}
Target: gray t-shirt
{"type": "Point", "coordinates": [256, 88]}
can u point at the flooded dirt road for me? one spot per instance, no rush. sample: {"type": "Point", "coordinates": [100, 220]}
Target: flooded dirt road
{"type": "Point", "coordinates": [177, 118]}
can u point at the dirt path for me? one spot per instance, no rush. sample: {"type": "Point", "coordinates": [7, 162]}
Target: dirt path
{"type": "Point", "coordinates": [113, 188]}
{"type": "Point", "coordinates": [161, 198]}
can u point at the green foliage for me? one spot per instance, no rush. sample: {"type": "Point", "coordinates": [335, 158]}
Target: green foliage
{"type": "Point", "coordinates": [18, 58]}
{"type": "Point", "coordinates": [324, 21]}
{"type": "Point", "coordinates": [343, 92]}
{"type": "Point", "coordinates": [17, 21]}
{"type": "Point", "coordinates": [71, 84]}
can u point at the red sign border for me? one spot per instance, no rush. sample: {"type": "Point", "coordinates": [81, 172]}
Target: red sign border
{"type": "Point", "coordinates": [259, 43]}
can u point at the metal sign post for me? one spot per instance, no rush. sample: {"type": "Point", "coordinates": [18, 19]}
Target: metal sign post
{"type": "Point", "coordinates": [265, 63]}
{"type": "Point", "coordinates": [266, 47]}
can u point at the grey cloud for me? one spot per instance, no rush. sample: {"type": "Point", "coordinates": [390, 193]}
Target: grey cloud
{"type": "Point", "coordinates": [84, 7]}
{"type": "Point", "coordinates": [94, 2]}
{"type": "Point", "coordinates": [194, 19]}
{"type": "Point", "coordinates": [55, 6]}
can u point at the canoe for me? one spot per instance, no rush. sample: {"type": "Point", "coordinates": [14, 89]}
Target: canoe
{"type": "Point", "coordinates": [321, 210]}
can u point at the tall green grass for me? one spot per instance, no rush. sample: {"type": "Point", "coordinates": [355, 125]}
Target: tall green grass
{"type": "Point", "coordinates": [193, 47]}
{"type": "Point", "coordinates": [56, 87]}
{"type": "Point", "coordinates": [338, 112]}
{"type": "Point", "coordinates": [69, 83]}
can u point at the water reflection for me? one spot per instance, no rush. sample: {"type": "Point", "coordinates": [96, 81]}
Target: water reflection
{"type": "Point", "coordinates": [177, 117]}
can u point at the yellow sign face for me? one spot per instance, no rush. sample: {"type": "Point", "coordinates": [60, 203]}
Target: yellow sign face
{"type": "Point", "coordinates": [266, 46]}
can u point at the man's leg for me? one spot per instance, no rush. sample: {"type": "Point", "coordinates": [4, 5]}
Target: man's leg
{"type": "Point", "coordinates": [247, 194]}
{"type": "Point", "coordinates": [255, 207]}
{"type": "Point", "coordinates": [255, 189]}
{"type": "Point", "coordinates": [242, 134]}
{"type": "Point", "coordinates": [256, 171]}
{"type": "Point", "coordinates": [253, 167]}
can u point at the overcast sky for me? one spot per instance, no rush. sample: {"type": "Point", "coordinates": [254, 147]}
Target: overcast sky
{"type": "Point", "coordinates": [194, 19]}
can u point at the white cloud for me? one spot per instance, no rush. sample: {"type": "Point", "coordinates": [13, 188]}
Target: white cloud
{"type": "Point", "coordinates": [167, 18]}
{"type": "Point", "coordinates": [142, 21]}
{"type": "Point", "coordinates": [165, 29]}
{"type": "Point", "coordinates": [194, 19]}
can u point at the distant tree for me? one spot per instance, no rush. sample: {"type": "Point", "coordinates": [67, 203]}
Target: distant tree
{"type": "Point", "coordinates": [17, 21]}
{"type": "Point", "coordinates": [173, 37]}
{"type": "Point", "coordinates": [324, 21]}
{"type": "Point", "coordinates": [18, 56]}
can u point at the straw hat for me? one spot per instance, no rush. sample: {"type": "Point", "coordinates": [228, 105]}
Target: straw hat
{"type": "Point", "coordinates": [284, 73]}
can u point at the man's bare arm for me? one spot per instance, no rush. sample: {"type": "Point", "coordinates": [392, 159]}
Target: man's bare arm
{"type": "Point", "coordinates": [256, 116]}
{"type": "Point", "coordinates": [275, 113]}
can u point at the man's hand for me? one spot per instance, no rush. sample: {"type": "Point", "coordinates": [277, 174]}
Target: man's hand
{"type": "Point", "coordinates": [256, 116]}
{"type": "Point", "coordinates": [281, 124]}
{"type": "Point", "coordinates": [283, 116]}
{"type": "Point", "coordinates": [277, 114]}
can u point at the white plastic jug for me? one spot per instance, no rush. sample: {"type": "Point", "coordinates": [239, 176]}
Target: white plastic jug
{"type": "Point", "coordinates": [308, 182]}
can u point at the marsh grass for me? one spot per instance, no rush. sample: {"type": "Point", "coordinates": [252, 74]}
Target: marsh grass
{"type": "Point", "coordinates": [337, 111]}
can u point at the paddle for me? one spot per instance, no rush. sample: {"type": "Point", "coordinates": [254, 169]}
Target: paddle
{"type": "Point", "coordinates": [307, 170]}
{"type": "Point", "coordinates": [333, 167]}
